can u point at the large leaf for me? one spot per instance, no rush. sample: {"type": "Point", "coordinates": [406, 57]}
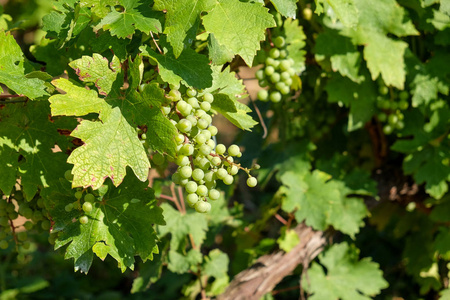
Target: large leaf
{"type": "Point", "coordinates": [120, 225]}
{"type": "Point", "coordinates": [345, 278]}
{"type": "Point", "coordinates": [137, 14]}
{"type": "Point", "coordinates": [110, 145]}
{"type": "Point", "coordinates": [12, 70]}
{"type": "Point", "coordinates": [239, 26]}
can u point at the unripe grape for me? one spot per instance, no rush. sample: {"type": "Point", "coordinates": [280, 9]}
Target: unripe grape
{"type": "Point", "coordinates": [182, 160]}
{"type": "Point", "coordinates": [392, 119]}
{"type": "Point", "coordinates": [192, 119]}
{"type": "Point", "coordinates": [4, 221]}
{"type": "Point", "coordinates": [233, 150]}
{"type": "Point", "coordinates": [214, 194]}
{"type": "Point", "coordinates": [175, 95]}
{"type": "Point", "coordinates": [184, 125]}
{"type": "Point", "coordinates": [275, 77]}
{"type": "Point", "coordinates": [22, 236]}
{"type": "Point", "coordinates": [87, 207]}
{"type": "Point", "coordinates": [179, 138]}
{"type": "Point", "coordinates": [216, 161]}
{"type": "Point", "coordinates": [260, 74]}
{"type": "Point", "coordinates": [198, 174]}
{"type": "Point", "coordinates": [84, 220]}
{"type": "Point", "coordinates": [263, 83]}
{"type": "Point", "coordinates": [191, 187]}
{"type": "Point", "coordinates": [200, 139]}
{"type": "Point", "coordinates": [209, 176]}
{"type": "Point", "coordinates": [279, 42]}
{"type": "Point", "coordinates": [202, 124]}
{"type": "Point", "coordinates": [191, 92]}
{"type": "Point", "coordinates": [403, 105]}
{"type": "Point", "coordinates": [382, 117]}
{"type": "Point", "coordinates": [207, 118]}
{"type": "Point", "coordinates": [46, 225]}
{"type": "Point", "coordinates": [220, 149]}
{"type": "Point", "coordinates": [206, 106]}
{"type": "Point", "coordinates": [202, 190]}
{"type": "Point", "coordinates": [252, 182]}
{"type": "Point", "coordinates": [383, 90]}
{"type": "Point", "coordinates": [68, 175]}
{"type": "Point", "coordinates": [191, 199]}
{"type": "Point", "coordinates": [68, 207]}
{"type": "Point", "coordinates": [233, 170]}
{"type": "Point", "coordinates": [213, 130]}
{"type": "Point", "coordinates": [228, 180]}
{"type": "Point", "coordinates": [78, 194]}
{"type": "Point", "coordinates": [221, 173]}
{"type": "Point", "coordinates": [388, 129]}
{"type": "Point", "coordinates": [274, 53]}
{"type": "Point", "coordinates": [202, 207]}
{"type": "Point", "coordinates": [187, 149]}
{"type": "Point", "coordinates": [263, 95]}
{"type": "Point", "coordinates": [205, 149]}
{"type": "Point", "coordinates": [275, 97]}
{"type": "Point", "coordinates": [4, 245]}
{"type": "Point", "coordinates": [211, 143]}
{"type": "Point", "coordinates": [307, 13]}
{"type": "Point", "coordinates": [186, 172]}
{"type": "Point", "coordinates": [269, 70]}
{"type": "Point", "coordinates": [208, 97]}
{"type": "Point", "coordinates": [166, 110]}
{"type": "Point", "coordinates": [285, 65]}
{"type": "Point", "coordinates": [28, 225]}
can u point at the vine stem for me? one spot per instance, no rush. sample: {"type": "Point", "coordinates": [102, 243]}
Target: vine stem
{"type": "Point", "coordinates": [175, 199]}
{"type": "Point", "coordinates": [281, 219]}
{"type": "Point", "coordinates": [154, 41]}
{"type": "Point", "coordinates": [181, 198]}
{"type": "Point", "coordinates": [6, 96]}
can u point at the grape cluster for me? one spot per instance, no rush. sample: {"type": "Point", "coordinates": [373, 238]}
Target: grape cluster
{"type": "Point", "coordinates": [276, 74]}
{"type": "Point", "coordinates": [15, 206]}
{"type": "Point", "coordinates": [83, 204]}
{"type": "Point", "coordinates": [200, 161]}
{"type": "Point", "coordinates": [391, 105]}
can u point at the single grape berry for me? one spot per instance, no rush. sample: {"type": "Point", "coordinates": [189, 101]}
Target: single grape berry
{"type": "Point", "coordinates": [78, 194]}
{"type": "Point", "coordinates": [87, 207]}
{"type": "Point", "coordinates": [68, 175]}
{"type": "Point", "coordinates": [252, 182]}
{"type": "Point", "coordinates": [234, 150]}
{"type": "Point", "coordinates": [4, 245]}
{"type": "Point", "coordinates": [214, 194]}
{"type": "Point", "coordinates": [84, 220]}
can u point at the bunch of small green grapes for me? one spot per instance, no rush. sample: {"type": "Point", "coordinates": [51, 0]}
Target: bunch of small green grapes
{"type": "Point", "coordinates": [16, 206]}
{"type": "Point", "coordinates": [84, 203]}
{"type": "Point", "coordinates": [391, 105]}
{"type": "Point", "coordinates": [276, 74]}
{"type": "Point", "coordinates": [200, 161]}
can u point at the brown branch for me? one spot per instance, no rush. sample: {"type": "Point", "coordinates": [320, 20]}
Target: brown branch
{"type": "Point", "coordinates": [269, 270]}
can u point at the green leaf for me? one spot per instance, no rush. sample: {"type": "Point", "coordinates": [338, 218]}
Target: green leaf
{"type": "Point", "coordinates": [26, 142]}
{"type": "Point", "coordinates": [344, 10]}
{"type": "Point", "coordinates": [121, 225]}
{"type": "Point", "coordinates": [190, 67]}
{"type": "Point", "coordinates": [346, 277]}
{"type": "Point", "coordinates": [100, 7]}
{"type": "Point", "coordinates": [216, 265]}
{"type": "Point", "coordinates": [287, 8]}
{"type": "Point", "coordinates": [344, 56]}
{"type": "Point", "coordinates": [180, 226]}
{"type": "Point", "coordinates": [295, 43]}
{"type": "Point", "coordinates": [321, 202]}
{"type": "Point", "coordinates": [234, 111]}
{"type": "Point", "coordinates": [12, 70]}
{"type": "Point", "coordinates": [219, 55]}
{"type": "Point", "coordinates": [288, 240]}
{"type": "Point", "coordinates": [239, 26]}
{"type": "Point", "coordinates": [110, 145]}
{"type": "Point", "coordinates": [136, 15]}
{"type": "Point", "coordinates": [182, 19]}
{"type": "Point", "coordinates": [98, 70]}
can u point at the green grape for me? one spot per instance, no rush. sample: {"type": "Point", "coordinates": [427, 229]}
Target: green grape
{"type": "Point", "coordinates": [221, 173]}
{"type": "Point", "coordinates": [216, 161]}
{"type": "Point", "coordinates": [274, 53]}
{"type": "Point", "coordinates": [275, 77]}
{"type": "Point", "coordinates": [285, 65]}
{"type": "Point", "coordinates": [208, 97]}
{"type": "Point", "coordinates": [187, 149]}
{"type": "Point", "coordinates": [192, 199]}
{"type": "Point", "coordinates": [143, 136]}
{"type": "Point", "coordinates": [198, 174]}
{"type": "Point", "coordinates": [388, 129]}
{"type": "Point", "coordinates": [68, 207]}
{"type": "Point", "coordinates": [46, 225]}
{"type": "Point", "coordinates": [192, 119]}
{"type": "Point", "coordinates": [260, 74]}
{"type": "Point", "coordinates": [202, 124]}
{"type": "Point", "coordinates": [193, 102]}
{"type": "Point", "coordinates": [202, 207]}
{"type": "Point", "coordinates": [206, 106]}
{"type": "Point", "coordinates": [26, 245]}
{"type": "Point", "coordinates": [269, 70]}
{"type": "Point", "coordinates": [84, 220]}
{"type": "Point", "coordinates": [207, 118]}
{"type": "Point", "coordinates": [186, 172]}
{"type": "Point", "coordinates": [233, 170]}
{"type": "Point", "coordinates": [213, 130]}
{"type": "Point", "coordinates": [263, 83]}
{"type": "Point", "coordinates": [87, 207]}
{"type": "Point", "coordinates": [307, 13]}
{"type": "Point", "coordinates": [234, 150]}
{"type": "Point", "coordinates": [200, 139]}
{"type": "Point", "coordinates": [403, 105]}
{"type": "Point", "coordinates": [166, 110]}
{"type": "Point", "coordinates": [27, 213]}
{"type": "Point", "coordinates": [184, 125]}
{"type": "Point", "coordinates": [283, 53]}
{"type": "Point", "coordinates": [78, 194]}
{"type": "Point", "coordinates": [4, 245]}
{"type": "Point", "coordinates": [179, 138]}
{"type": "Point", "coordinates": [214, 194]}
{"type": "Point", "coordinates": [4, 221]}
{"type": "Point", "coordinates": [37, 215]}
{"type": "Point", "coordinates": [400, 125]}
{"type": "Point", "coordinates": [202, 190]}
{"type": "Point", "coordinates": [68, 175]}
{"type": "Point", "coordinates": [404, 95]}
{"type": "Point", "coordinates": [263, 95]}
{"type": "Point", "coordinates": [275, 97]}
{"type": "Point", "coordinates": [383, 90]}
{"type": "Point", "coordinates": [176, 178]}
{"type": "Point", "coordinates": [205, 149]}
{"type": "Point", "coordinates": [191, 187]}
{"type": "Point", "coordinates": [285, 90]}
{"type": "Point", "coordinates": [392, 119]}
{"type": "Point", "coordinates": [40, 203]}
{"type": "Point", "coordinates": [211, 144]}
{"type": "Point", "coordinates": [28, 225]}
{"type": "Point", "coordinates": [175, 95]}
{"type": "Point", "coordinates": [209, 176]}
{"type": "Point", "coordinates": [220, 149]}
{"type": "Point", "coordinates": [228, 180]}
{"type": "Point", "coordinates": [191, 92]}
{"type": "Point", "coordinates": [382, 117]}
{"type": "Point", "coordinates": [252, 182]}
{"type": "Point", "coordinates": [279, 42]}
{"type": "Point", "coordinates": [10, 207]}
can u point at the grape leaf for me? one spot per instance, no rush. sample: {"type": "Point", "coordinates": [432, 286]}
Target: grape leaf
{"type": "Point", "coordinates": [344, 56]}
{"type": "Point", "coordinates": [190, 67]}
{"type": "Point", "coordinates": [219, 55]}
{"type": "Point", "coordinates": [344, 10]}
{"type": "Point", "coordinates": [287, 8]}
{"type": "Point", "coordinates": [26, 132]}
{"type": "Point", "coordinates": [99, 7]}
{"type": "Point", "coordinates": [216, 265]}
{"type": "Point", "coordinates": [295, 43]}
{"type": "Point", "coordinates": [346, 277]}
{"type": "Point", "coordinates": [234, 111]}
{"type": "Point", "coordinates": [136, 15]}
{"type": "Point", "coordinates": [96, 69]}
{"type": "Point", "coordinates": [239, 26]}
{"type": "Point", "coordinates": [121, 225]}
{"type": "Point", "coordinates": [182, 19]}
{"type": "Point", "coordinates": [288, 240]}
{"type": "Point", "coordinates": [12, 70]}
{"type": "Point", "coordinates": [4, 19]}
{"type": "Point", "coordinates": [110, 145]}
{"type": "Point", "coordinates": [321, 202]}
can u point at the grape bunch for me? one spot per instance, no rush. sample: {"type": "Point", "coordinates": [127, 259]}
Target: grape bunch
{"type": "Point", "coordinates": [201, 163]}
{"type": "Point", "coordinates": [391, 105]}
{"type": "Point", "coordinates": [84, 204]}
{"type": "Point", "coordinates": [277, 73]}
{"type": "Point", "coordinates": [15, 206]}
